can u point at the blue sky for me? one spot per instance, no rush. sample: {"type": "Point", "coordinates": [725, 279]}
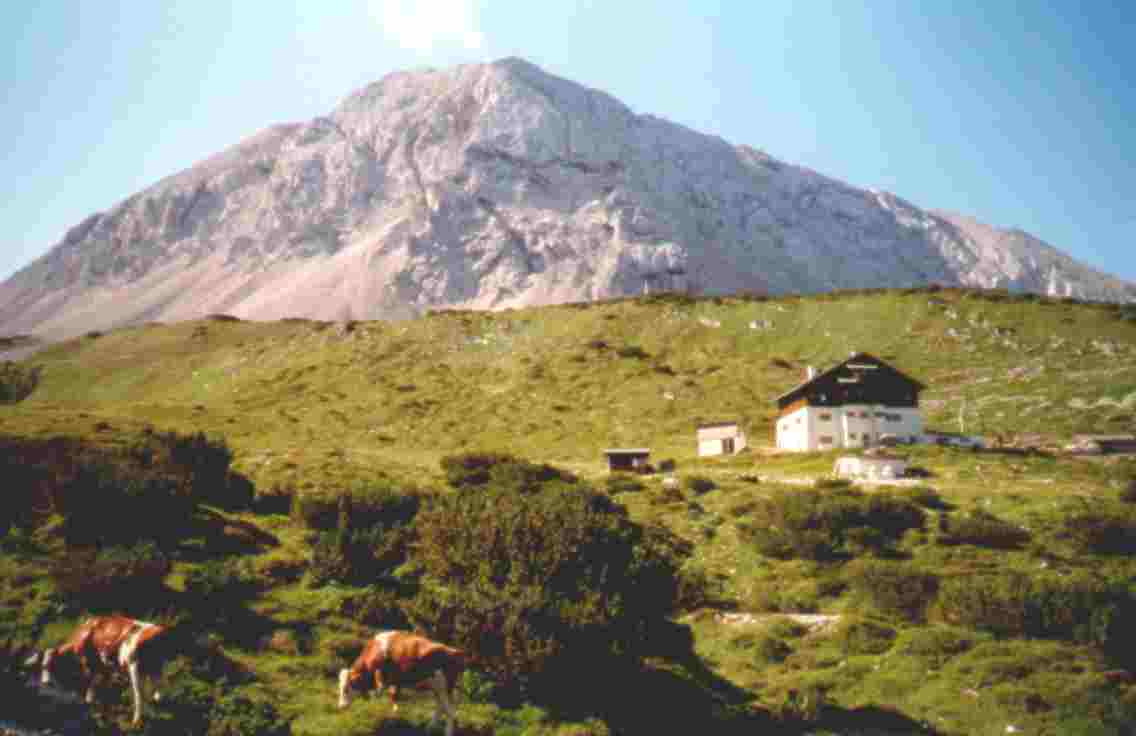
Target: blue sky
{"type": "Point", "coordinates": [1021, 114]}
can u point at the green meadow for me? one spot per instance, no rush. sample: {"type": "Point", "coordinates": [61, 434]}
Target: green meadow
{"type": "Point", "coordinates": [986, 595]}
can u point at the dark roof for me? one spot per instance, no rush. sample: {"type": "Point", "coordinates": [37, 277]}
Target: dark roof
{"type": "Point", "coordinates": [631, 451]}
{"type": "Point", "coordinates": [855, 357]}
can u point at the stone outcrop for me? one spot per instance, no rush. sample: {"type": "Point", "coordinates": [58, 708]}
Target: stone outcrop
{"type": "Point", "coordinates": [496, 185]}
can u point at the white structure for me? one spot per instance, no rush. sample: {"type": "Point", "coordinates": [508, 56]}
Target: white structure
{"type": "Point", "coordinates": [720, 438]}
{"type": "Point", "coordinates": [851, 405]}
{"type": "Point", "coordinates": [870, 467]}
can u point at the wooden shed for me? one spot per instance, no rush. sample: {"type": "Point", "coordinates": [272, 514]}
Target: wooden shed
{"type": "Point", "coordinates": [629, 460]}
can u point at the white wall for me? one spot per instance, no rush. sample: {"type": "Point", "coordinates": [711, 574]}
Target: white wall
{"type": "Point", "coordinates": [710, 442]}
{"type": "Point", "coordinates": [825, 428]}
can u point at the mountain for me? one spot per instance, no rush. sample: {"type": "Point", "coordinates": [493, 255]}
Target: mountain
{"type": "Point", "coordinates": [491, 186]}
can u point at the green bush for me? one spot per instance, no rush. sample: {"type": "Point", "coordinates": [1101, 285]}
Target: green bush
{"type": "Point", "coordinates": [1080, 608]}
{"type": "Point", "coordinates": [893, 588]}
{"type": "Point", "coordinates": [102, 504]}
{"type": "Point", "coordinates": [936, 644]}
{"type": "Point", "coordinates": [376, 606]}
{"type": "Point", "coordinates": [542, 586]}
{"type": "Point", "coordinates": [829, 525]}
{"type": "Point", "coordinates": [500, 470]}
{"type": "Point", "coordinates": [982, 529]}
{"type": "Point", "coordinates": [617, 483]}
{"type": "Point", "coordinates": [117, 577]}
{"type": "Point", "coordinates": [768, 648]}
{"type": "Point", "coordinates": [17, 382]}
{"type": "Point", "coordinates": [1102, 532]}
{"type": "Point", "coordinates": [221, 580]}
{"type": "Point", "coordinates": [925, 496]}
{"type": "Point", "coordinates": [857, 636]}
{"type": "Point", "coordinates": [371, 537]}
{"type": "Point", "coordinates": [472, 468]}
{"type": "Point", "coordinates": [699, 484]}
{"type": "Point", "coordinates": [193, 703]}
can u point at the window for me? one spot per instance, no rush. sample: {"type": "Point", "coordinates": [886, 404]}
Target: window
{"type": "Point", "coordinates": [728, 446]}
{"type": "Point", "coordinates": [826, 439]}
{"type": "Point", "coordinates": [825, 417]}
{"type": "Point", "coordinates": [852, 436]}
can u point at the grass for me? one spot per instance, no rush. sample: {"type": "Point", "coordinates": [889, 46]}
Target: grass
{"type": "Point", "coordinates": [308, 407]}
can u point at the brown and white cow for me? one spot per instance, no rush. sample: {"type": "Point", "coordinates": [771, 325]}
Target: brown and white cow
{"type": "Point", "coordinates": [109, 642]}
{"type": "Point", "coordinates": [400, 658]}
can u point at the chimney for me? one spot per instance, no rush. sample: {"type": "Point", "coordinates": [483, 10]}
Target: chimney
{"type": "Point", "coordinates": [810, 373]}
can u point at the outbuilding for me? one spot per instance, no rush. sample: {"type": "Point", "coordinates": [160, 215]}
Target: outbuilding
{"type": "Point", "coordinates": [629, 460]}
{"type": "Point", "coordinates": [720, 438]}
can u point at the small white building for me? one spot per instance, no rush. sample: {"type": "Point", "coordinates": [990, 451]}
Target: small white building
{"type": "Point", "coordinates": [720, 438]}
{"type": "Point", "coordinates": [853, 404]}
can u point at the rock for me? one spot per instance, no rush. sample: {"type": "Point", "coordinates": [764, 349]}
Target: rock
{"type": "Point", "coordinates": [498, 185]}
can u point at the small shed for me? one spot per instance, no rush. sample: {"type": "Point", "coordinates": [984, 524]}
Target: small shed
{"type": "Point", "coordinates": [720, 438]}
{"type": "Point", "coordinates": [872, 467]}
{"type": "Point", "coordinates": [633, 459]}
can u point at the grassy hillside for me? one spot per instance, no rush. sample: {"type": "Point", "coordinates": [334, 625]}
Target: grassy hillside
{"type": "Point", "coordinates": [320, 408]}
{"type": "Point", "coordinates": [304, 403]}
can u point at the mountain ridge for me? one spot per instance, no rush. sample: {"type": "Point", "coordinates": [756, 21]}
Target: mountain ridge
{"type": "Point", "coordinates": [496, 185]}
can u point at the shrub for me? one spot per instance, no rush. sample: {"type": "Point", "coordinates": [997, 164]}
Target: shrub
{"type": "Point", "coordinates": [1128, 494]}
{"type": "Point", "coordinates": [925, 496]}
{"type": "Point", "coordinates": [542, 586]}
{"type": "Point", "coordinates": [236, 714]}
{"type": "Point", "coordinates": [893, 588]}
{"type": "Point", "coordinates": [221, 581]}
{"type": "Point", "coordinates": [769, 648]}
{"type": "Point", "coordinates": [194, 703]}
{"type": "Point", "coordinates": [617, 483]}
{"type": "Point", "coordinates": [700, 484]}
{"type": "Point", "coordinates": [936, 644]}
{"type": "Point", "coordinates": [982, 529]}
{"type": "Point", "coordinates": [632, 351]}
{"type": "Point", "coordinates": [830, 525]}
{"type": "Point", "coordinates": [863, 636]}
{"type": "Point", "coordinates": [370, 539]}
{"type": "Point", "coordinates": [102, 504]}
{"type": "Point", "coordinates": [1079, 609]}
{"type": "Point", "coordinates": [16, 382]}
{"type": "Point", "coordinates": [376, 606]}
{"type": "Point", "coordinates": [113, 577]}
{"type": "Point", "coordinates": [1101, 532]}
{"type": "Point", "coordinates": [479, 469]}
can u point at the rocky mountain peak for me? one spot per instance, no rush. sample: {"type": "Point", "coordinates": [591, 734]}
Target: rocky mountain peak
{"type": "Point", "coordinates": [493, 185]}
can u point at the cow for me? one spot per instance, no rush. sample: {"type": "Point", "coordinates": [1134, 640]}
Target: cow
{"type": "Point", "coordinates": [397, 658]}
{"type": "Point", "coordinates": [135, 647]}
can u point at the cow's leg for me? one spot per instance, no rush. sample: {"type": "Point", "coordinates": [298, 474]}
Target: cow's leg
{"type": "Point", "coordinates": [377, 690]}
{"type": "Point", "coordinates": [136, 690]}
{"type": "Point", "coordinates": [394, 698]}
